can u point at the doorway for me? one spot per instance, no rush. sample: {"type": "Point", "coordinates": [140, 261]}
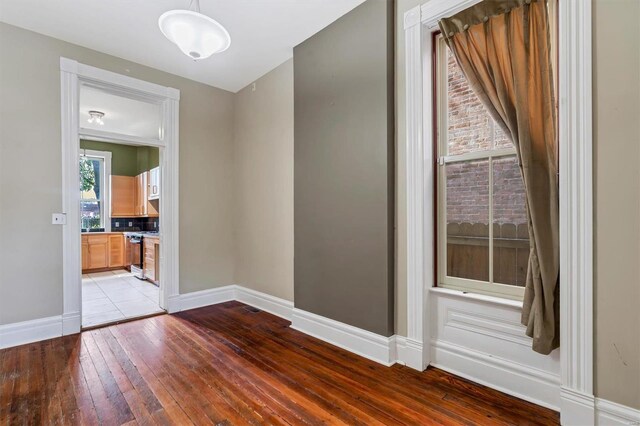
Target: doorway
{"type": "Point", "coordinates": [120, 225]}
{"type": "Point", "coordinates": [83, 90]}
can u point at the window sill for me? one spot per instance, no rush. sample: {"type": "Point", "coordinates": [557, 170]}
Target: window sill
{"type": "Point", "coordinates": [476, 297]}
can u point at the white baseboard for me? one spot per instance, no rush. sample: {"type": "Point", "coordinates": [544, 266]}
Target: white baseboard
{"type": "Point", "coordinates": [20, 333]}
{"type": "Point", "coordinates": [361, 342]}
{"type": "Point", "coordinates": [576, 408]}
{"type": "Point", "coordinates": [274, 305]}
{"type": "Point", "coordinates": [612, 414]}
{"type": "Point", "coordinates": [71, 323]}
{"type": "Point", "coordinates": [408, 352]}
{"type": "Point", "coordinates": [199, 299]}
{"type": "Point", "coordinates": [504, 375]}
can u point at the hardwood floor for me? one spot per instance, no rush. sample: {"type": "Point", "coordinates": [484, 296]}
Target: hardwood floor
{"type": "Point", "coordinates": [227, 365]}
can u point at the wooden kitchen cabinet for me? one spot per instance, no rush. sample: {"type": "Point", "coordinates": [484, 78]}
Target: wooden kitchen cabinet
{"type": "Point", "coordinates": [98, 251]}
{"type": "Point", "coordinates": [152, 258]}
{"type": "Point", "coordinates": [141, 195]}
{"type": "Point", "coordinates": [136, 196]}
{"type": "Point", "coordinates": [116, 250]}
{"type": "Point", "coordinates": [123, 196]}
{"type": "Point", "coordinates": [85, 252]}
{"type": "Point", "coordinates": [102, 251]}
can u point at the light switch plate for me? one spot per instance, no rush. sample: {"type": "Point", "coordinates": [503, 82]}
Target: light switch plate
{"type": "Point", "coordinates": [59, 218]}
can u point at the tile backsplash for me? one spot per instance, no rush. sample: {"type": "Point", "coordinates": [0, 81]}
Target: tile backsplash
{"type": "Point", "coordinates": [135, 224]}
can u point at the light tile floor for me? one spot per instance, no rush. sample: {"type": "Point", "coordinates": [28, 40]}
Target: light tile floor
{"type": "Point", "coordinates": [116, 295]}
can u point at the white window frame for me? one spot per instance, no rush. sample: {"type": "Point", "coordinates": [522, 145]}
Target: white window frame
{"type": "Point", "coordinates": [490, 287]}
{"type": "Point", "coordinates": [105, 205]}
{"type": "Point", "coordinates": [577, 405]}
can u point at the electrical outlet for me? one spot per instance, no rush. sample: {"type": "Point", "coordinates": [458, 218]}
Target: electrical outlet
{"type": "Point", "coordinates": [117, 224]}
{"type": "Point", "coordinates": [59, 218]}
{"type": "Point", "coordinates": [130, 223]}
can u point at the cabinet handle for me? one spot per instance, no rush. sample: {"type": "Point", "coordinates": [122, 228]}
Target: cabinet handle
{"type": "Point", "coordinates": [155, 189]}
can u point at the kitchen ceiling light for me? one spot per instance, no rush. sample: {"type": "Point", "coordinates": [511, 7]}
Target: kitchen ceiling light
{"type": "Point", "coordinates": [96, 117]}
{"type": "Point", "coordinates": [197, 35]}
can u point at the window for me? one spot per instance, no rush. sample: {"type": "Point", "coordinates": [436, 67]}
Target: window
{"type": "Point", "coordinates": [95, 170]}
{"type": "Point", "coordinates": [483, 239]}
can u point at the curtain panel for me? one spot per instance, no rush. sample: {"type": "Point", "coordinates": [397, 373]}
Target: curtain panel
{"type": "Point", "coordinates": [503, 48]}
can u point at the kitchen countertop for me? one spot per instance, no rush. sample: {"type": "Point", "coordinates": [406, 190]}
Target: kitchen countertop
{"type": "Point", "coordinates": [102, 233]}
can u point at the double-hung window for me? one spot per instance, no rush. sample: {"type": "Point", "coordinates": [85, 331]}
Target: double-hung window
{"type": "Point", "coordinates": [95, 171]}
{"type": "Point", "coordinates": [483, 239]}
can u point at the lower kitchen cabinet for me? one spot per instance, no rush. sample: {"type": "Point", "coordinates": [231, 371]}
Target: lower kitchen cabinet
{"type": "Point", "coordinates": [152, 259]}
{"type": "Point", "coordinates": [102, 251]}
{"type": "Point", "coordinates": [116, 250]}
{"type": "Point", "coordinates": [85, 253]}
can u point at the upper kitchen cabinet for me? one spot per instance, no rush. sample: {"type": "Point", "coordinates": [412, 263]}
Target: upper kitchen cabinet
{"type": "Point", "coordinates": [153, 185]}
{"type": "Point", "coordinates": [141, 195]}
{"type": "Point", "coordinates": [123, 195]}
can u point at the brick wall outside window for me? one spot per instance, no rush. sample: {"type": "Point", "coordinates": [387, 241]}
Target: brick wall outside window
{"type": "Point", "coordinates": [471, 129]}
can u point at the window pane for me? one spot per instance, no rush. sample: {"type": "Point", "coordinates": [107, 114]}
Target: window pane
{"type": "Point", "coordinates": [510, 232]}
{"type": "Point", "coordinates": [90, 214]}
{"type": "Point", "coordinates": [91, 171]}
{"type": "Point", "coordinates": [468, 123]}
{"type": "Point", "coordinates": [97, 166]}
{"type": "Point", "coordinates": [500, 138]}
{"type": "Point", "coordinates": [91, 192]}
{"type": "Point", "coordinates": [467, 186]}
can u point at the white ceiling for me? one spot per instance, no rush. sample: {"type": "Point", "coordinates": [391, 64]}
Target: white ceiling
{"type": "Point", "coordinates": [121, 114]}
{"type": "Point", "coordinates": [263, 32]}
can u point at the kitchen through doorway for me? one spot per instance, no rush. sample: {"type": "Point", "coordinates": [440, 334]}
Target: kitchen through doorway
{"type": "Point", "coordinates": [120, 225]}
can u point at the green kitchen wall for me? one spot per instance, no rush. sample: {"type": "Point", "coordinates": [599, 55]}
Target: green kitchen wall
{"type": "Point", "coordinates": [126, 160]}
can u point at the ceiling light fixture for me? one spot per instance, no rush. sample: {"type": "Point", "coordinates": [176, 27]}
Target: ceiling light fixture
{"type": "Point", "coordinates": [96, 117]}
{"type": "Point", "coordinates": [197, 35]}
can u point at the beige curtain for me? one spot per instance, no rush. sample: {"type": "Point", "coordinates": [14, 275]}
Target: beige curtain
{"type": "Point", "coordinates": [504, 50]}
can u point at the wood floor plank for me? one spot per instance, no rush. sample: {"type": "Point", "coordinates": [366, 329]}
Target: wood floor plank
{"type": "Point", "coordinates": [376, 375]}
{"type": "Point", "coordinates": [230, 365]}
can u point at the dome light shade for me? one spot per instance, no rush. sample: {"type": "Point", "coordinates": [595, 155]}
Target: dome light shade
{"type": "Point", "coordinates": [197, 35]}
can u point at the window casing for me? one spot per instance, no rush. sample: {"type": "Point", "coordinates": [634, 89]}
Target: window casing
{"type": "Point", "coordinates": [483, 242]}
{"type": "Point", "coordinates": [95, 199]}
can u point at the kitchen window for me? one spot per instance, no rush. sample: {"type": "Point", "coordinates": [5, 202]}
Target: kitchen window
{"type": "Point", "coordinates": [483, 239]}
{"type": "Point", "coordinates": [95, 171]}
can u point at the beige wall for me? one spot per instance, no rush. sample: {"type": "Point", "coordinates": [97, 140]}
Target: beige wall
{"type": "Point", "coordinates": [616, 74]}
{"type": "Point", "coordinates": [401, 185]}
{"type": "Point", "coordinates": [263, 124]}
{"type": "Point", "coordinates": [30, 173]}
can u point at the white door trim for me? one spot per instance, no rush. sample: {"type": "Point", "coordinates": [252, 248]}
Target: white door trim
{"type": "Point", "coordinates": [576, 202]}
{"type": "Point", "coordinates": [72, 75]}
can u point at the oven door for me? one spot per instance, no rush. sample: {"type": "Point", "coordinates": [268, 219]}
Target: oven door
{"type": "Point", "coordinates": [135, 255]}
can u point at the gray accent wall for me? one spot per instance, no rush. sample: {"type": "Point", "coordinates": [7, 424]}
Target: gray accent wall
{"type": "Point", "coordinates": [344, 170]}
